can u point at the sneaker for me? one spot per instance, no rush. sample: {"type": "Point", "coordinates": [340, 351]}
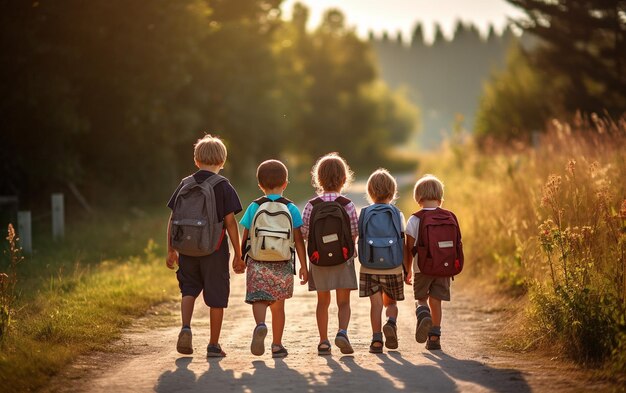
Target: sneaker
{"type": "Point", "coordinates": [184, 342]}
{"type": "Point", "coordinates": [214, 351]}
{"type": "Point", "coordinates": [434, 342]}
{"type": "Point", "coordinates": [424, 323]}
{"type": "Point", "coordinates": [391, 336]}
{"type": "Point", "coordinates": [342, 342]}
{"type": "Point", "coordinates": [257, 347]}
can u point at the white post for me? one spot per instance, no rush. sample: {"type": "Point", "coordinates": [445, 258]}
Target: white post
{"type": "Point", "coordinates": [58, 217]}
{"type": "Point", "coordinates": [24, 231]}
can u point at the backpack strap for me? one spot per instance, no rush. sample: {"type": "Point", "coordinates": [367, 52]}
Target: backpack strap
{"type": "Point", "coordinates": [316, 201]}
{"type": "Point", "coordinates": [214, 180]}
{"type": "Point", "coordinates": [261, 200]}
{"type": "Point", "coordinates": [343, 201]}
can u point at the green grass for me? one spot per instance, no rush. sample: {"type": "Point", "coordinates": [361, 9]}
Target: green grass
{"type": "Point", "coordinates": [77, 296]}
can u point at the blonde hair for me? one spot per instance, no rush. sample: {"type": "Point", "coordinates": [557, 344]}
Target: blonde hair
{"type": "Point", "coordinates": [271, 174]}
{"type": "Point", "coordinates": [210, 150]}
{"type": "Point", "coordinates": [428, 188]}
{"type": "Point", "coordinates": [381, 186]}
{"type": "Point", "coordinates": [331, 173]}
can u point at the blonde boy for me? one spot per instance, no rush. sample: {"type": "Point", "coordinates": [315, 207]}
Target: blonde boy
{"type": "Point", "coordinates": [429, 291]}
{"type": "Point", "coordinates": [208, 274]}
{"type": "Point", "coordinates": [382, 286]}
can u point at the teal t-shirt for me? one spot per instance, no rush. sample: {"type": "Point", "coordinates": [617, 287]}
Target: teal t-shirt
{"type": "Point", "coordinates": [246, 220]}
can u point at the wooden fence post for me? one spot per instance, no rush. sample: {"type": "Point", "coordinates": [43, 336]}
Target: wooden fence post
{"type": "Point", "coordinates": [24, 231]}
{"type": "Point", "coordinates": [58, 217]}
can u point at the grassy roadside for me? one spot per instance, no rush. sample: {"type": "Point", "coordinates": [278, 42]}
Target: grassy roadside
{"type": "Point", "coordinates": [78, 296]}
{"type": "Point", "coordinates": [547, 224]}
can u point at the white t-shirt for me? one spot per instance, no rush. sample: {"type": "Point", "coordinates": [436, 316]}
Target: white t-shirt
{"type": "Point", "coordinates": [395, 270]}
{"type": "Point", "coordinates": [412, 229]}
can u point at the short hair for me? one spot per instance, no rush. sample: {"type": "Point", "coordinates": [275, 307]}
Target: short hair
{"type": "Point", "coordinates": [381, 186]}
{"type": "Point", "coordinates": [331, 173]}
{"type": "Point", "coordinates": [210, 150]}
{"type": "Point", "coordinates": [428, 188]}
{"type": "Point", "coordinates": [271, 174]}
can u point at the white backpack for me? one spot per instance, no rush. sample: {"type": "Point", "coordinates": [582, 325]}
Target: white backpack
{"type": "Point", "coordinates": [271, 233]}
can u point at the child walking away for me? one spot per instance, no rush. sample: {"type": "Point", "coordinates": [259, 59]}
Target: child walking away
{"type": "Point", "coordinates": [330, 227]}
{"type": "Point", "coordinates": [271, 238]}
{"type": "Point", "coordinates": [434, 251]}
{"type": "Point", "coordinates": [381, 255]}
{"type": "Point", "coordinates": [203, 211]}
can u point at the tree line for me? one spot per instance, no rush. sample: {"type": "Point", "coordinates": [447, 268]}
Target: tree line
{"type": "Point", "coordinates": [111, 95]}
{"type": "Point", "coordinates": [444, 78]}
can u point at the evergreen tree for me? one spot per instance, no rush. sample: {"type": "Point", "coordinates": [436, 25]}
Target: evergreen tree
{"type": "Point", "coordinates": [583, 41]}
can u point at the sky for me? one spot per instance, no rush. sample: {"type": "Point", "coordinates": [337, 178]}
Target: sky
{"type": "Point", "coordinates": [402, 15]}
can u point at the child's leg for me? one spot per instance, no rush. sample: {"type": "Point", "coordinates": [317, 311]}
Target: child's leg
{"type": "Point", "coordinates": [216, 316]}
{"type": "Point", "coordinates": [343, 303]}
{"type": "Point", "coordinates": [278, 321]}
{"type": "Point", "coordinates": [391, 307]}
{"type": "Point", "coordinates": [186, 309]}
{"type": "Point", "coordinates": [321, 313]}
{"type": "Point", "coordinates": [259, 310]}
{"type": "Point", "coordinates": [376, 301]}
{"type": "Point", "coordinates": [435, 310]}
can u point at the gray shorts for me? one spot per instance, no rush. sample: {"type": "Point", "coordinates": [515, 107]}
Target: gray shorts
{"type": "Point", "coordinates": [209, 274]}
{"type": "Point", "coordinates": [437, 287]}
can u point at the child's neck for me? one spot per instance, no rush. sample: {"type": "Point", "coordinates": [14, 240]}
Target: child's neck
{"type": "Point", "coordinates": [429, 204]}
{"type": "Point", "coordinates": [275, 191]}
{"type": "Point", "coordinates": [210, 168]}
{"type": "Point", "coordinates": [332, 191]}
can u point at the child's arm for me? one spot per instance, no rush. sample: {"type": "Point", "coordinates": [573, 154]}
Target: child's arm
{"type": "Point", "coordinates": [233, 233]}
{"type": "Point", "coordinates": [299, 239]}
{"type": "Point", "coordinates": [244, 239]}
{"type": "Point", "coordinates": [409, 241]}
{"type": "Point", "coordinates": [172, 255]}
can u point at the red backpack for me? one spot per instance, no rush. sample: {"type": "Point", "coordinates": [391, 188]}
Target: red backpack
{"type": "Point", "coordinates": [438, 247]}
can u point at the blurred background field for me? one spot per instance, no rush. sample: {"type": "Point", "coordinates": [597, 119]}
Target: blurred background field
{"type": "Point", "coordinates": [522, 118]}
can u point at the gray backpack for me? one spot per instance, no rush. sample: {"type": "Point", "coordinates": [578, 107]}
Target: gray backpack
{"type": "Point", "coordinates": [195, 228]}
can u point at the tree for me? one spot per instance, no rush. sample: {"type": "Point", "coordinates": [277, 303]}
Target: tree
{"type": "Point", "coordinates": [584, 41]}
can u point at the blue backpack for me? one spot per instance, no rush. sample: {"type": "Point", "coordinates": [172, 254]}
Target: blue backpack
{"type": "Point", "coordinates": [380, 237]}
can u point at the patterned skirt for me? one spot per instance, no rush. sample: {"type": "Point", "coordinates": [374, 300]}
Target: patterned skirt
{"type": "Point", "coordinates": [268, 281]}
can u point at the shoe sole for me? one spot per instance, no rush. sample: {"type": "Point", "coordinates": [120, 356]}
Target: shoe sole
{"type": "Point", "coordinates": [279, 355]}
{"type": "Point", "coordinates": [258, 341]}
{"type": "Point", "coordinates": [344, 345]}
{"type": "Point", "coordinates": [391, 338]}
{"type": "Point", "coordinates": [422, 329]}
{"type": "Point", "coordinates": [376, 349]}
{"type": "Point", "coordinates": [184, 345]}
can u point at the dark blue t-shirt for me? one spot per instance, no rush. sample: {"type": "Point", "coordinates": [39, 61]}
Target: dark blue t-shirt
{"type": "Point", "coordinates": [226, 198]}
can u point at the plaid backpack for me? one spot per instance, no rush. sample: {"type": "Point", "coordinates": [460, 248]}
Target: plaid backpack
{"type": "Point", "coordinates": [438, 246]}
{"type": "Point", "coordinates": [330, 237]}
{"type": "Point", "coordinates": [195, 229]}
{"type": "Point", "coordinates": [380, 237]}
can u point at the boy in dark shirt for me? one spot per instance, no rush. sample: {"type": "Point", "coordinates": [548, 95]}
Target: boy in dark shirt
{"type": "Point", "coordinates": [208, 274]}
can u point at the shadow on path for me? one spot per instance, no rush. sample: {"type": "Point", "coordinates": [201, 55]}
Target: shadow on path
{"type": "Point", "coordinates": [472, 371]}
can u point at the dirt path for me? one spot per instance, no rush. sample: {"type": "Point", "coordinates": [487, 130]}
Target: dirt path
{"type": "Point", "coordinates": [146, 359]}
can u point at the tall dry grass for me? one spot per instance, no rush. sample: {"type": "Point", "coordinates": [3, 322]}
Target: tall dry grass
{"type": "Point", "coordinates": [549, 222]}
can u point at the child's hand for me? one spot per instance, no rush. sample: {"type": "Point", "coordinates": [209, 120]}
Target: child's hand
{"type": "Point", "coordinates": [172, 259]}
{"type": "Point", "coordinates": [407, 278]}
{"type": "Point", "coordinates": [239, 266]}
{"type": "Point", "coordinates": [304, 276]}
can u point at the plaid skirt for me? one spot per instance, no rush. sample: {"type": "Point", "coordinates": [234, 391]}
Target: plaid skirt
{"type": "Point", "coordinates": [391, 285]}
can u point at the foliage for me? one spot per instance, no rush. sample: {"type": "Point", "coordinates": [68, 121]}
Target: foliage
{"type": "Point", "coordinates": [576, 65]}
{"type": "Point", "coordinates": [443, 78]}
{"type": "Point", "coordinates": [78, 298]}
{"type": "Point", "coordinates": [111, 95]}
{"type": "Point", "coordinates": [509, 108]}
{"type": "Point", "coordinates": [583, 41]}
{"type": "Point", "coordinates": [549, 221]}
{"type": "Point", "coordinates": [8, 282]}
